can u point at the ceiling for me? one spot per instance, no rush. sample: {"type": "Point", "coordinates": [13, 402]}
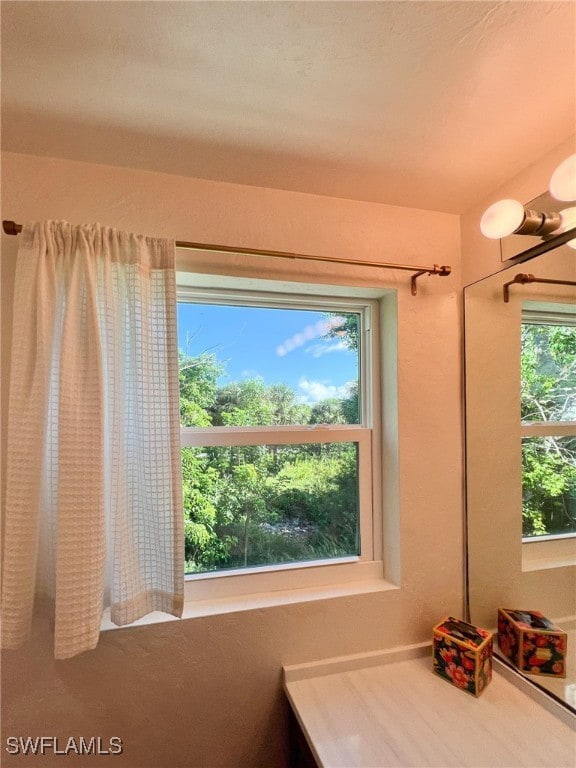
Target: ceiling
{"type": "Point", "coordinates": [426, 104]}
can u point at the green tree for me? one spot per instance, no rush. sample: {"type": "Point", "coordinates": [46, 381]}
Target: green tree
{"type": "Point", "coordinates": [548, 372]}
{"type": "Point", "coordinates": [549, 486]}
{"type": "Point", "coordinates": [285, 409]}
{"type": "Point", "coordinates": [329, 411]}
{"type": "Point", "coordinates": [320, 493]}
{"type": "Point", "coordinates": [242, 404]}
{"type": "Point", "coordinates": [243, 511]}
{"type": "Point", "coordinates": [344, 327]}
{"type": "Point", "coordinates": [198, 377]}
{"type": "Point", "coordinates": [202, 546]}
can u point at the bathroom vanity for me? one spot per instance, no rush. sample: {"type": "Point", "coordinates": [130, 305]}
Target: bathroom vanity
{"type": "Point", "coordinates": [388, 709]}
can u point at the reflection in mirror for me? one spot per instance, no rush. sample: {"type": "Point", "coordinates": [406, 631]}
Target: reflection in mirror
{"type": "Point", "coordinates": [520, 358]}
{"type": "Point", "coordinates": [548, 415]}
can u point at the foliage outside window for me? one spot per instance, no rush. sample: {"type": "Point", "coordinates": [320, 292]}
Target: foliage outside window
{"type": "Point", "coordinates": [548, 412]}
{"type": "Point", "coordinates": [276, 443]}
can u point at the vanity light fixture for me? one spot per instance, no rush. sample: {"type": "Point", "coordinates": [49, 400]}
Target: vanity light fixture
{"type": "Point", "coordinates": [509, 217]}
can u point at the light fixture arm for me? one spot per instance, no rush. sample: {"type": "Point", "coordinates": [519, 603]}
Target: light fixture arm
{"type": "Point", "coordinates": [539, 223]}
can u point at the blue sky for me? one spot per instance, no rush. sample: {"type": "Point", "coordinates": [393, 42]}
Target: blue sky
{"type": "Point", "coordinates": [279, 345]}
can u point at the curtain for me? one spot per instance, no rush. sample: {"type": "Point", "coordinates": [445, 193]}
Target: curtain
{"type": "Point", "coordinates": [93, 513]}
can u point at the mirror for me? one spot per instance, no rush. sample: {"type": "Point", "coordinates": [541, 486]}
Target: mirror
{"type": "Point", "coordinates": [520, 368]}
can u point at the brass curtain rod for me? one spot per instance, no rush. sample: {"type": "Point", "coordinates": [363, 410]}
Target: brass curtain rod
{"type": "Point", "coordinates": [11, 228]}
{"type": "Point", "coordinates": [522, 279]}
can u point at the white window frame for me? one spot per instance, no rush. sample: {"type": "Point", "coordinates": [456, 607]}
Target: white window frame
{"type": "Point", "coordinates": [559, 549]}
{"type": "Point", "coordinates": [367, 566]}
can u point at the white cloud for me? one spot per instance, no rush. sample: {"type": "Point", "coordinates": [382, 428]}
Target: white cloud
{"type": "Point", "coordinates": [311, 392]}
{"type": "Point", "coordinates": [318, 350]}
{"type": "Point", "coordinates": [307, 334]}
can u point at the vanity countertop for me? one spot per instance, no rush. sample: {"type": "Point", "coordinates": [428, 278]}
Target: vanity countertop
{"type": "Point", "coordinates": [374, 714]}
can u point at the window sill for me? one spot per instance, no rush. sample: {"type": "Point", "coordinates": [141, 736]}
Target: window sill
{"type": "Point", "coordinates": [285, 597]}
{"type": "Point", "coordinates": [257, 601]}
{"type": "Point", "coordinates": [559, 552]}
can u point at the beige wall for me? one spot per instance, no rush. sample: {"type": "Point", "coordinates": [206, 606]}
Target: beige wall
{"type": "Point", "coordinates": [206, 692]}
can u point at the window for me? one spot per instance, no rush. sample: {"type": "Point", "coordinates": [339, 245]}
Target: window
{"type": "Point", "coordinates": [280, 426]}
{"type": "Point", "coordinates": [548, 412]}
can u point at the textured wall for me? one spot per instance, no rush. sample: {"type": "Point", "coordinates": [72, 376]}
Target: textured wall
{"type": "Point", "coordinates": [207, 691]}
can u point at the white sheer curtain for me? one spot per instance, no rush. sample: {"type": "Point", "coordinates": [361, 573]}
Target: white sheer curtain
{"type": "Point", "coordinates": [93, 512]}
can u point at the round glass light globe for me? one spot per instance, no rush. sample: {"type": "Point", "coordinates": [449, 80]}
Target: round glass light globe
{"type": "Point", "coordinates": [563, 181]}
{"type": "Point", "coordinates": [568, 216]}
{"type": "Point", "coordinates": [502, 219]}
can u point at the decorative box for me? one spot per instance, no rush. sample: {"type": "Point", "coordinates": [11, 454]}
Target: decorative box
{"type": "Point", "coordinates": [532, 642]}
{"type": "Point", "coordinates": [463, 654]}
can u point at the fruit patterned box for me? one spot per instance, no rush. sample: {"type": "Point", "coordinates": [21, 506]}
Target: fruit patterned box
{"type": "Point", "coordinates": [532, 642]}
{"type": "Point", "coordinates": [463, 654]}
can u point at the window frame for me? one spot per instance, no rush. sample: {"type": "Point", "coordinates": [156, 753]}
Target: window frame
{"type": "Point", "coordinates": [368, 565]}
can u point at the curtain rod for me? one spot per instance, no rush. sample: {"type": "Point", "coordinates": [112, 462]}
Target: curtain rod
{"type": "Point", "coordinates": [522, 279]}
{"type": "Point", "coordinates": [11, 228]}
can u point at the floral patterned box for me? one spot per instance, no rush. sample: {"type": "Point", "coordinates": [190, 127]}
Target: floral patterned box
{"type": "Point", "coordinates": [532, 642]}
{"type": "Point", "coordinates": [463, 654]}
